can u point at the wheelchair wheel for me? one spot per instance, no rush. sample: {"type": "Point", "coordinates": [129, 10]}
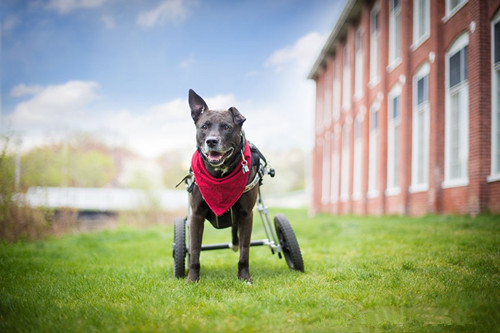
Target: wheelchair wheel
{"type": "Point", "coordinates": [288, 243]}
{"type": "Point", "coordinates": [179, 249]}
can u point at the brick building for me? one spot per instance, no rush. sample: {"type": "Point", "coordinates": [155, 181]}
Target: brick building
{"type": "Point", "coordinates": [408, 109]}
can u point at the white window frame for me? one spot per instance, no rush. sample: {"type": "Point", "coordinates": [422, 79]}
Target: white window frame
{"type": "Point", "coordinates": [346, 78]}
{"type": "Point", "coordinates": [334, 189]}
{"type": "Point", "coordinates": [420, 139]}
{"type": "Point", "coordinates": [417, 24]}
{"type": "Point", "coordinates": [450, 11]}
{"type": "Point", "coordinates": [326, 171]}
{"type": "Point", "coordinates": [327, 101]}
{"type": "Point", "coordinates": [336, 91]}
{"type": "Point", "coordinates": [358, 66]}
{"type": "Point", "coordinates": [393, 142]}
{"type": "Point", "coordinates": [319, 106]}
{"type": "Point", "coordinates": [345, 160]}
{"type": "Point", "coordinates": [357, 168]}
{"type": "Point", "coordinates": [394, 35]}
{"type": "Point", "coordinates": [463, 89]}
{"type": "Point", "coordinates": [495, 107]}
{"type": "Point", "coordinates": [373, 186]}
{"type": "Point", "coordinates": [374, 47]}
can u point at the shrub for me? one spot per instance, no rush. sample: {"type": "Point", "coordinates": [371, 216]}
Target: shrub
{"type": "Point", "coordinates": [18, 220]}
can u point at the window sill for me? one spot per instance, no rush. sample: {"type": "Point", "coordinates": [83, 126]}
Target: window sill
{"type": "Point", "coordinates": [393, 65]}
{"type": "Point", "coordinates": [455, 183]}
{"type": "Point", "coordinates": [419, 42]}
{"type": "Point", "coordinates": [356, 196]}
{"type": "Point", "coordinates": [493, 178]}
{"type": "Point", "coordinates": [373, 83]}
{"type": "Point", "coordinates": [358, 96]}
{"type": "Point", "coordinates": [419, 188]}
{"type": "Point", "coordinates": [392, 191]}
{"type": "Point", "coordinates": [452, 13]}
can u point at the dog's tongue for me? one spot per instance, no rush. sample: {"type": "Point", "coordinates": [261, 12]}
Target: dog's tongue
{"type": "Point", "coordinates": [214, 156]}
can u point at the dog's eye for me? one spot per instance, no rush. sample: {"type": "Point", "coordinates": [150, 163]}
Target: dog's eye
{"type": "Point", "coordinates": [204, 126]}
{"type": "Point", "coordinates": [226, 127]}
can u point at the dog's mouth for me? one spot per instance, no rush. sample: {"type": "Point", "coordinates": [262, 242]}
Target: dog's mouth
{"type": "Point", "coordinates": [216, 158]}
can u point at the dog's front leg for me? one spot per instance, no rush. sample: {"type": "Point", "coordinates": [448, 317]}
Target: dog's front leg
{"type": "Point", "coordinates": [245, 232]}
{"type": "Point", "coordinates": [196, 226]}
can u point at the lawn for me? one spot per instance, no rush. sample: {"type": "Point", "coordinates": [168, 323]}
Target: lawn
{"type": "Point", "coordinates": [363, 274]}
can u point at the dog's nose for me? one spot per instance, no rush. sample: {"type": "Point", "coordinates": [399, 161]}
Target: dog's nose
{"type": "Point", "coordinates": [212, 142]}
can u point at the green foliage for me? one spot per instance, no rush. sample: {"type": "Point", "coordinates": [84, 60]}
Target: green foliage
{"type": "Point", "coordinates": [67, 165]}
{"type": "Point", "coordinates": [363, 274]}
{"type": "Point", "coordinates": [17, 219]}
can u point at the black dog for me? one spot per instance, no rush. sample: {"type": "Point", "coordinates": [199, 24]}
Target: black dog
{"type": "Point", "coordinates": [221, 154]}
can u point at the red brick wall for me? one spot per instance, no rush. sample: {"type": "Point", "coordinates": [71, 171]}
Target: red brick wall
{"type": "Point", "coordinates": [474, 19]}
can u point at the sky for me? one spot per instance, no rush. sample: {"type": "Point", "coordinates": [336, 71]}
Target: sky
{"type": "Point", "coordinates": [121, 69]}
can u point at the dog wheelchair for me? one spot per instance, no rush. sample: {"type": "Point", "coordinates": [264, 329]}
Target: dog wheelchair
{"type": "Point", "coordinates": [281, 239]}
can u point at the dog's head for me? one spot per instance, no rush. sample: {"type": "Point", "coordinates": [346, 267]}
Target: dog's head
{"type": "Point", "coordinates": [218, 132]}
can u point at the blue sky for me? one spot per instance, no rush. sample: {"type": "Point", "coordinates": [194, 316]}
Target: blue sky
{"type": "Point", "coordinates": [121, 68]}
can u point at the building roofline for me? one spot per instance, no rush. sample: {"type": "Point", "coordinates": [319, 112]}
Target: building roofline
{"type": "Point", "coordinates": [351, 10]}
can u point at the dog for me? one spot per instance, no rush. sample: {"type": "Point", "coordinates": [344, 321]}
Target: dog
{"type": "Point", "coordinates": [222, 154]}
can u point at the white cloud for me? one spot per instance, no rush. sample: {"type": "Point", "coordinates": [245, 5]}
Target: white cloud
{"type": "Point", "coordinates": [108, 21]}
{"type": "Point", "coordinates": [298, 57]}
{"type": "Point", "coordinates": [66, 6]}
{"type": "Point", "coordinates": [52, 106]}
{"type": "Point", "coordinates": [53, 111]}
{"type": "Point", "coordinates": [283, 122]}
{"type": "Point", "coordinates": [23, 90]}
{"type": "Point", "coordinates": [10, 23]}
{"type": "Point", "coordinates": [293, 105]}
{"type": "Point", "coordinates": [167, 11]}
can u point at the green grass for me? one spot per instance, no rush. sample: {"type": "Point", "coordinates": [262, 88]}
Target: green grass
{"type": "Point", "coordinates": [363, 274]}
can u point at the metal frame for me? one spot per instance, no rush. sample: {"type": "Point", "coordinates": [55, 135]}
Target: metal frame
{"type": "Point", "coordinates": [271, 241]}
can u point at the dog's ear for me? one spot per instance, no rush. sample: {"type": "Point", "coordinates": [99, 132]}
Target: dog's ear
{"type": "Point", "coordinates": [237, 116]}
{"type": "Point", "coordinates": [197, 105]}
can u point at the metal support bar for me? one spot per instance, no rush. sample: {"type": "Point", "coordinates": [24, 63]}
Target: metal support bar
{"type": "Point", "coordinates": [221, 246]}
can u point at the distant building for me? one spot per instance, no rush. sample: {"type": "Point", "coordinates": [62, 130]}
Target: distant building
{"type": "Point", "coordinates": [408, 109]}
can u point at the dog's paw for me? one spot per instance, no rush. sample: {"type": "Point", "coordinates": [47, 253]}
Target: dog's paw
{"type": "Point", "coordinates": [247, 282]}
{"type": "Point", "coordinates": [245, 277]}
{"type": "Point", "coordinates": [193, 277]}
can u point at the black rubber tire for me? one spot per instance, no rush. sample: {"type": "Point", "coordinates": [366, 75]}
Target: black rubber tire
{"type": "Point", "coordinates": [179, 249]}
{"type": "Point", "coordinates": [288, 242]}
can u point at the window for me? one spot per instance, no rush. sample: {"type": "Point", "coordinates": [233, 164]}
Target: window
{"type": "Point", "coordinates": [394, 32]}
{"type": "Point", "coordinates": [358, 66]}
{"type": "Point", "coordinates": [373, 162]}
{"type": "Point", "coordinates": [326, 172]}
{"type": "Point", "coordinates": [357, 163]}
{"type": "Point", "coordinates": [336, 93]}
{"type": "Point", "coordinates": [346, 80]}
{"type": "Point", "coordinates": [495, 94]}
{"type": "Point", "coordinates": [393, 140]}
{"type": "Point", "coordinates": [335, 170]}
{"type": "Point", "coordinates": [374, 47]}
{"type": "Point", "coordinates": [421, 21]}
{"type": "Point", "coordinates": [457, 114]}
{"type": "Point", "coordinates": [420, 130]}
{"type": "Point", "coordinates": [345, 172]}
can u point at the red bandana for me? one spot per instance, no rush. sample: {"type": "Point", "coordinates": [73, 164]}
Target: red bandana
{"type": "Point", "coordinates": [220, 193]}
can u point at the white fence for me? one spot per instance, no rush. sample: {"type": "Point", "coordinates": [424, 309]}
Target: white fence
{"type": "Point", "coordinates": [106, 199]}
{"type": "Point", "coordinates": [118, 199]}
